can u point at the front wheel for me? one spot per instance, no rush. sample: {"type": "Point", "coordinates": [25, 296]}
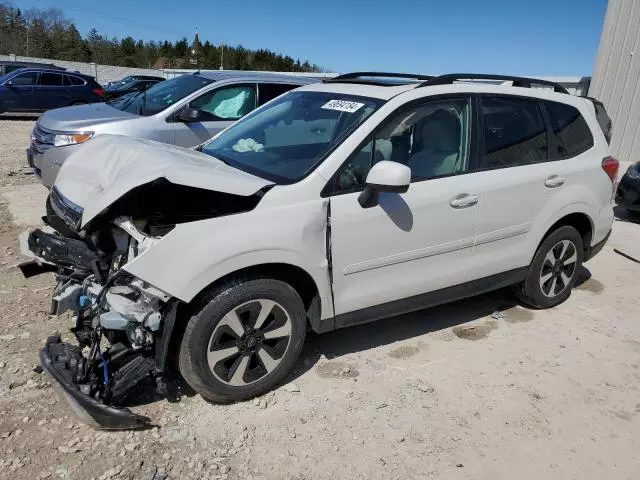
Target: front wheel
{"type": "Point", "coordinates": [553, 271]}
{"type": "Point", "coordinates": [244, 340]}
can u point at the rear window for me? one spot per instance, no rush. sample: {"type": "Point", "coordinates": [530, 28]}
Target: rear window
{"type": "Point", "coordinates": [570, 129]}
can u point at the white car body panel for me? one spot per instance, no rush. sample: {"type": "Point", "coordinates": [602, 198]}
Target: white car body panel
{"type": "Point", "coordinates": [409, 244]}
{"type": "Point", "coordinates": [109, 166]}
{"type": "Point", "coordinates": [279, 230]}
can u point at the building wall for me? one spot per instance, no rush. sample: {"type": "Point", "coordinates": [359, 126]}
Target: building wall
{"type": "Point", "coordinates": [616, 78]}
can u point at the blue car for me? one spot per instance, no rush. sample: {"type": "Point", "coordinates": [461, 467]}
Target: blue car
{"type": "Point", "coordinates": [38, 89]}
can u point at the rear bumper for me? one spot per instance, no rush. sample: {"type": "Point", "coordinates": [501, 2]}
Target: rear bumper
{"type": "Point", "coordinates": [58, 359]}
{"type": "Point", "coordinates": [593, 250]}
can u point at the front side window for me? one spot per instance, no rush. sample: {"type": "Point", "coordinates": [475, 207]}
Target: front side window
{"type": "Point", "coordinates": [162, 95]}
{"type": "Point", "coordinates": [514, 132]}
{"type": "Point", "coordinates": [570, 129]}
{"type": "Point", "coordinates": [50, 79]}
{"type": "Point", "coordinates": [287, 139]}
{"type": "Point", "coordinates": [227, 103]}
{"type": "Point", "coordinates": [431, 138]}
{"type": "Point", "coordinates": [25, 79]}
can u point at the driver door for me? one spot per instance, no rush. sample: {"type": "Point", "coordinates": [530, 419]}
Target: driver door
{"type": "Point", "coordinates": [409, 243]}
{"type": "Point", "coordinates": [219, 108]}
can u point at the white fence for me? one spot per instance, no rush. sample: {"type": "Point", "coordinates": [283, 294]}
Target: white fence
{"type": "Point", "coordinates": [107, 73]}
{"type": "Point", "coordinates": [102, 73]}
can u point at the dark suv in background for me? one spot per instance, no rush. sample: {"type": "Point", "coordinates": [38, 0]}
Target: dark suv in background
{"type": "Point", "coordinates": [38, 89]}
{"type": "Point", "coordinates": [8, 66]}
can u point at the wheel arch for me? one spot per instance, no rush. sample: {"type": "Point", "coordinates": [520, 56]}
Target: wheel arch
{"type": "Point", "coordinates": [579, 220]}
{"type": "Point", "coordinates": [298, 278]}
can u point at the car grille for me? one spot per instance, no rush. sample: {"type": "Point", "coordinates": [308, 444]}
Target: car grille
{"type": "Point", "coordinates": [41, 139]}
{"type": "Point", "coordinates": [68, 211]}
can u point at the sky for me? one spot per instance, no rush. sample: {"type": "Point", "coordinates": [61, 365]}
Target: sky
{"type": "Point", "coordinates": [518, 37]}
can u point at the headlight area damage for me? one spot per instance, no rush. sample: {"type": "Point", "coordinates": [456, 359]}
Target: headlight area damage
{"type": "Point", "coordinates": [123, 325]}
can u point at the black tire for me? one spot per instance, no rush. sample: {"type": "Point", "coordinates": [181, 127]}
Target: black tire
{"type": "Point", "coordinates": [531, 292]}
{"type": "Point", "coordinates": [198, 340]}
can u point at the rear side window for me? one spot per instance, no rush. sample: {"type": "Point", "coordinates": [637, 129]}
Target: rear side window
{"type": "Point", "coordinates": [514, 132]}
{"type": "Point", "coordinates": [269, 91]}
{"type": "Point", "coordinates": [50, 79]}
{"type": "Point", "coordinates": [570, 129]}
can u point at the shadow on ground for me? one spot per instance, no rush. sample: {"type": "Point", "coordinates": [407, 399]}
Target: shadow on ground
{"type": "Point", "coordinates": [385, 332]}
{"type": "Point", "coordinates": [19, 117]}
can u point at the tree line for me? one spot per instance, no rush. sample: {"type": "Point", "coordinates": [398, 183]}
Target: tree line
{"type": "Point", "coordinates": [48, 33]}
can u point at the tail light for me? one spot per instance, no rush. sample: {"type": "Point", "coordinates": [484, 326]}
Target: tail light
{"type": "Point", "coordinates": [99, 91]}
{"type": "Point", "coordinates": [610, 166]}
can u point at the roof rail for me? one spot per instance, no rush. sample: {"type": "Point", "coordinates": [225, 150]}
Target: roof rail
{"type": "Point", "coordinates": [517, 81]}
{"type": "Point", "coordinates": [369, 77]}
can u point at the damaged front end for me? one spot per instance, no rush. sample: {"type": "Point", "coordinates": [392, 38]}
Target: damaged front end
{"type": "Point", "coordinates": [122, 325]}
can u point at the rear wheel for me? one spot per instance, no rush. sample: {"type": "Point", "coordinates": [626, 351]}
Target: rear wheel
{"type": "Point", "coordinates": [553, 271]}
{"type": "Point", "coordinates": [244, 340]}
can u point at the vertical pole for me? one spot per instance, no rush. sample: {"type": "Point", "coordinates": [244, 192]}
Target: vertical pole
{"type": "Point", "coordinates": [222, 57]}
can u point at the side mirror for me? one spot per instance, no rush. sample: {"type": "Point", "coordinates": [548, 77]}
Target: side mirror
{"type": "Point", "coordinates": [384, 176]}
{"type": "Point", "coordinates": [189, 114]}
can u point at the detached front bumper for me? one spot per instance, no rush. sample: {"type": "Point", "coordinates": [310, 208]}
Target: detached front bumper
{"type": "Point", "coordinates": [59, 360]}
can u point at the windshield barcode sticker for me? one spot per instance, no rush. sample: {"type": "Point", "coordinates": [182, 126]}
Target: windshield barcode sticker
{"type": "Point", "coordinates": [343, 106]}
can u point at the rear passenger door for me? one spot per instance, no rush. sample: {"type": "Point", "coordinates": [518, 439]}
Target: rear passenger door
{"type": "Point", "coordinates": [524, 169]}
{"type": "Point", "coordinates": [50, 92]}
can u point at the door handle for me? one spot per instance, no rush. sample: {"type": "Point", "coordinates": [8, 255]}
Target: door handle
{"type": "Point", "coordinates": [554, 181]}
{"type": "Point", "coordinates": [464, 200]}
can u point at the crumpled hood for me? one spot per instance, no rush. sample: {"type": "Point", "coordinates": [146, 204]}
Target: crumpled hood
{"type": "Point", "coordinates": [82, 117]}
{"type": "Point", "coordinates": [108, 166]}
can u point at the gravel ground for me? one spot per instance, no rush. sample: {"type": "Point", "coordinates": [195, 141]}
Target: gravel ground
{"type": "Point", "coordinates": [479, 389]}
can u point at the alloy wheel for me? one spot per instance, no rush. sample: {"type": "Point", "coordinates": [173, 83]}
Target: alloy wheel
{"type": "Point", "coordinates": [249, 342]}
{"type": "Point", "coordinates": [558, 268]}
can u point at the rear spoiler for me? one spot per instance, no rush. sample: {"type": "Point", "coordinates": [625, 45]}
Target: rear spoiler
{"type": "Point", "coordinates": [602, 117]}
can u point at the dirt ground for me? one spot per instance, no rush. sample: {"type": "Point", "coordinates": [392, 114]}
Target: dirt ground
{"type": "Point", "coordinates": [479, 389]}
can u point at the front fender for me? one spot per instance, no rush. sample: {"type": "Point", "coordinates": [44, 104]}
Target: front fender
{"type": "Point", "coordinates": [194, 255]}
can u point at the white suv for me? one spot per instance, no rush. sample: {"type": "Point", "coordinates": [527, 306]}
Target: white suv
{"type": "Point", "coordinates": [337, 203]}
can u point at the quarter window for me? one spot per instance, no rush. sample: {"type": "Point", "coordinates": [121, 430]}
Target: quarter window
{"type": "Point", "coordinates": [570, 129]}
{"type": "Point", "coordinates": [432, 139]}
{"type": "Point", "coordinates": [230, 103]}
{"type": "Point", "coordinates": [76, 81]}
{"type": "Point", "coordinates": [514, 133]}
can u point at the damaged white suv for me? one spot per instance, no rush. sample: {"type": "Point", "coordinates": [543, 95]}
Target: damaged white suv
{"type": "Point", "coordinates": [338, 203]}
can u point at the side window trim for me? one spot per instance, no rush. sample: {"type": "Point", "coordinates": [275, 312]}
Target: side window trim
{"type": "Point", "coordinates": [329, 189]}
{"type": "Point", "coordinates": [481, 129]}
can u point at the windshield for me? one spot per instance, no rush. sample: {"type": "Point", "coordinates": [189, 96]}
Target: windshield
{"type": "Point", "coordinates": [285, 140]}
{"type": "Point", "coordinates": [162, 95]}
